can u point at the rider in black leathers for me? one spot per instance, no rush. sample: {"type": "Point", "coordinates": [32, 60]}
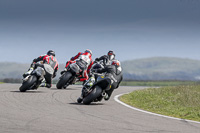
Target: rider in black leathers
{"type": "Point", "coordinates": [107, 58]}
{"type": "Point", "coordinates": [114, 72]}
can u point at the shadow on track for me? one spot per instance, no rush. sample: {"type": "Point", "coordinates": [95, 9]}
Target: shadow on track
{"type": "Point", "coordinates": [29, 92]}
{"type": "Point", "coordinates": [92, 104]}
{"type": "Point", "coordinates": [64, 89]}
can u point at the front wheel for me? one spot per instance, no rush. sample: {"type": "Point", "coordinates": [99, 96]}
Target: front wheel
{"type": "Point", "coordinates": [63, 80]}
{"type": "Point", "coordinates": [94, 94]}
{"type": "Point", "coordinates": [26, 85]}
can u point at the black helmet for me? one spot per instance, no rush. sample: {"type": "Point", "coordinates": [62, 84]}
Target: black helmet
{"type": "Point", "coordinates": [111, 55]}
{"type": "Point", "coordinates": [51, 52]}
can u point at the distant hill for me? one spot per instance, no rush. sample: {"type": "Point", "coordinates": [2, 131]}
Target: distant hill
{"type": "Point", "coordinates": [16, 70]}
{"type": "Point", "coordinates": [161, 68]}
{"type": "Point", "coordinates": [157, 68]}
{"type": "Point", "coordinates": [12, 70]}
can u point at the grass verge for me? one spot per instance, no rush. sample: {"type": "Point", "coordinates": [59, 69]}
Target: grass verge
{"type": "Point", "coordinates": [179, 101]}
{"type": "Point", "coordinates": [156, 83]}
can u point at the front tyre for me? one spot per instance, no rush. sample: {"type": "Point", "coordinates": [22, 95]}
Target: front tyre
{"type": "Point", "coordinates": [63, 80]}
{"type": "Point", "coordinates": [96, 92]}
{"type": "Point", "coordinates": [26, 85]}
{"type": "Point", "coordinates": [79, 100]}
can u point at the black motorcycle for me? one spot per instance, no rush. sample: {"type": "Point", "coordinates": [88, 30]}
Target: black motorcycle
{"type": "Point", "coordinates": [69, 77]}
{"type": "Point", "coordinates": [33, 80]}
{"type": "Point", "coordinates": [94, 90]}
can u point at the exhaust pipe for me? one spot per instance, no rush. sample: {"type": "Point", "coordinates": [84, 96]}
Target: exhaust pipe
{"type": "Point", "coordinates": [103, 94]}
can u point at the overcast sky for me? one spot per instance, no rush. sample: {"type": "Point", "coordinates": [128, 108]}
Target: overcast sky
{"type": "Point", "coordinates": [132, 28]}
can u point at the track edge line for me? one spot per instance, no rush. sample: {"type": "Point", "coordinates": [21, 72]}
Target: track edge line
{"type": "Point", "coordinates": [116, 98]}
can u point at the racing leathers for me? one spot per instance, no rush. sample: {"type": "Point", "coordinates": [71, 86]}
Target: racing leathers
{"type": "Point", "coordinates": [107, 59]}
{"type": "Point", "coordinates": [103, 58]}
{"type": "Point", "coordinates": [50, 65]}
{"type": "Point", "coordinates": [84, 61]}
{"type": "Point", "coordinates": [115, 74]}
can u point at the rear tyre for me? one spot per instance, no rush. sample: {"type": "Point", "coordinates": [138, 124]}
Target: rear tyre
{"type": "Point", "coordinates": [28, 84]}
{"type": "Point", "coordinates": [96, 92]}
{"type": "Point", "coordinates": [63, 80]}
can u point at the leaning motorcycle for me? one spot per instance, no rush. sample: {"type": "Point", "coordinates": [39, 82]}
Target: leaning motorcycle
{"type": "Point", "coordinates": [95, 90]}
{"type": "Point", "coordinates": [33, 80]}
{"type": "Point", "coordinates": [69, 76]}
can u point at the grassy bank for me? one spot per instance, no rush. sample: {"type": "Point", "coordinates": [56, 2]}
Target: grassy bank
{"type": "Point", "coordinates": [157, 83]}
{"type": "Point", "coordinates": [180, 101]}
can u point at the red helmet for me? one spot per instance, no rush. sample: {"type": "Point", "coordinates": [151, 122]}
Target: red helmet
{"type": "Point", "coordinates": [116, 63]}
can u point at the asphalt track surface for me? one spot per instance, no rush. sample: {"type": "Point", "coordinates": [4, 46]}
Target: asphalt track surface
{"type": "Point", "coordinates": [56, 111]}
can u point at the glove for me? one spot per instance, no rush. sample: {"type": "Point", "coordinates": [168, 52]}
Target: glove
{"type": "Point", "coordinates": [62, 72]}
{"type": "Point", "coordinates": [35, 60]}
{"type": "Point", "coordinates": [97, 59]}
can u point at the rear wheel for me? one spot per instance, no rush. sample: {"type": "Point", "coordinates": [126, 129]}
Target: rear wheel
{"type": "Point", "coordinates": [96, 92]}
{"type": "Point", "coordinates": [26, 85]}
{"type": "Point", "coordinates": [63, 80]}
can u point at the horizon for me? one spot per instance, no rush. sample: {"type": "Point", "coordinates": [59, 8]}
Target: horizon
{"type": "Point", "coordinates": [120, 61]}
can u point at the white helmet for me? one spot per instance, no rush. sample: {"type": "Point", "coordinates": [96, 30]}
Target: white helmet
{"type": "Point", "coordinates": [88, 51]}
{"type": "Point", "coordinates": [111, 55]}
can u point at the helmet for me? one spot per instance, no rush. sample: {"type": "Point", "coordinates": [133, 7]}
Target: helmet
{"type": "Point", "coordinates": [116, 63]}
{"type": "Point", "coordinates": [51, 52]}
{"type": "Point", "coordinates": [88, 51]}
{"type": "Point", "coordinates": [111, 55]}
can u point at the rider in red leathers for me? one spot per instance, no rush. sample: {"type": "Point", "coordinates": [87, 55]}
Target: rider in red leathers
{"type": "Point", "coordinates": [84, 61]}
{"type": "Point", "coordinates": [50, 65]}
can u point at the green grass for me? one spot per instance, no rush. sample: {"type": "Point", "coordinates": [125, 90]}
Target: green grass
{"type": "Point", "coordinates": [156, 83]}
{"type": "Point", "coordinates": [180, 101]}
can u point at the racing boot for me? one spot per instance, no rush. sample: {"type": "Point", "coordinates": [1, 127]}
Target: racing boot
{"type": "Point", "coordinates": [43, 84]}
{"type": "Point", "coordinates": [80, 99]}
